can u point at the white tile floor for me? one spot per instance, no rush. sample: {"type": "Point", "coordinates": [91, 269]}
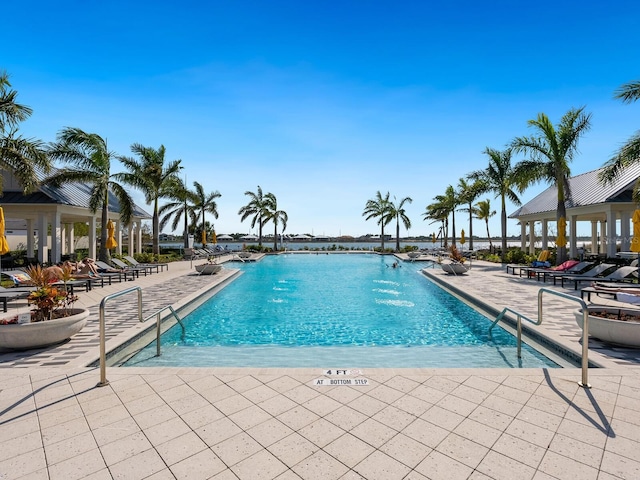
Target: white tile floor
{"type": "Point", "coordinates": [234, 423]}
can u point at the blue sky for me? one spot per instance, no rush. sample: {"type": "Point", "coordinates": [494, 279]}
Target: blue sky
{"type": "Point", "coordinates": [324, 103]}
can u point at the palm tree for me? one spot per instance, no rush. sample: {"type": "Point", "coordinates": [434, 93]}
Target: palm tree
{"type": "Point", "coordinates": [438, 213]}
{"type": "Point", "coordinates": [203, 202]}
{"type": "Point", "coordinates": [275, 215]}
{"type": "Point", "coordinates": [255, 208]}
{"type": "Point", "coordinates": [23, 157]}
{"type": "Point", "coordinates": [448, 203]}
{"type": "Point", "coordinates": [179, 206]}
{"type": "Point", "coordinates": [552, 149]}
{"type": "Point", "coordinates": [378, 207]}
{"type": "Point", "coordinates": [91, 163]}
{"type": "Point", "coordinates": [629, 153]}
{"type": "Point", "coordinates": [468, 192]}
{"type": "Point", "coordinates": [482, 211]}
{"type": "Point", "coordinates": [500, 178]}
{"type": "Point", "coordinates": [398, 213]}
{"type": "Point", "coordinates": [151, 176]}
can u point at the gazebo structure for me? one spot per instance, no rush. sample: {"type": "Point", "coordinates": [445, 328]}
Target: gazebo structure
{"type": "Point", "coordinates": [48, 215]}
{"type": "Point", "coordinates": [608, 208]}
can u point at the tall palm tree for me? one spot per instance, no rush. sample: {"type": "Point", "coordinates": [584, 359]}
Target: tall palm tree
{"type": "Point", "coordinates": [378, 207]}
{"type": "Point", "coordinates": [482, 211]}
{"type": "Point", "coordinates": [90, 160]}
{"type": "Point", "coordinates": [439, 213]}
{"type": "Point", "coordinates": [468, 192]}
{"type": "Point", "coordinates": [23, 157]}
{"type": "Point", "coordinates": [153, 177]}
{"type": "Point", "coordinates": [276, 216]}
{"type": "Point", "coordinates": [551, 150]}
{"type": "Point", "coordinates": [448, 203]}
{"type": "Point", "coordinates": [500, 177]}
{"type": "Point", "coordinates": [398, 213]}
{"type": "Point", "coordinates": [629, 153]}
{"type": "Point", "coordinates": [203, 202]}
{"type": "Point", "coordinates": [179, 207]}
{"type": "Point", "coordinates": [255, 209]}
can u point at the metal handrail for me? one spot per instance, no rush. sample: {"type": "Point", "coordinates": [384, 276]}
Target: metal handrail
{"type": "Point", "coordinates": [158, 324]}
{"type": "Point", "coordinates": [103, 354]}
{"type": "Point", "coordinates": [585, 328]}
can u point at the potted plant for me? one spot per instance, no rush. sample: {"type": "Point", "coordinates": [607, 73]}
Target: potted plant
{"type": "Point", "coordinates": [619, 326]}
{"type": "Point", "coordinates": [456, 266]}
{"type": "Point", "coordinates": [53, 318]}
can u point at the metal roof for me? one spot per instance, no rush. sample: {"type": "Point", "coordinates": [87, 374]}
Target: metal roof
{"type": "Point", "coordinates": [73, 194]}
{"type": "Point", "coordinates": [586, 189]}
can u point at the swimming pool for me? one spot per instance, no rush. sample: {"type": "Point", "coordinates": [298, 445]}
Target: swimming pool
{"type": "Point", "coordinates": [338, 310]}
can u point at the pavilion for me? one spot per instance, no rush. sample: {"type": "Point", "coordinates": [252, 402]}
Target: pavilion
{"type": "Point", "coordinates": [48, 215]}
{"type": "Point", "coordinates": [608, 209]}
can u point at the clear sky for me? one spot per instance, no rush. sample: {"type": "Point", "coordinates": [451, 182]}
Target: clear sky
{"type": "Point", "coordinates": [323, 103]}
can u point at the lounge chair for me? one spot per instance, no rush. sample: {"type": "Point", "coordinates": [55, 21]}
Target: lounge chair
{"type": "Point", "coordinates": [576, 269]}
{"type": "Point", "coordinates": [594, 271]}
{"type": "Point", "coordinates": [124, 267]}
{"type": "Point", "coordinates": [158, 266]}
{"type": "Point", "coordinates": [541, 261]}
{"type": "Point", "coordinates": [106, 271]}
{"type": "Point", "coordinates": [621, 274]}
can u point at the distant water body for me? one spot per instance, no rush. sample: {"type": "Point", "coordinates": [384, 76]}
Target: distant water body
{"type": "Point", "coordinates": [309, 245]}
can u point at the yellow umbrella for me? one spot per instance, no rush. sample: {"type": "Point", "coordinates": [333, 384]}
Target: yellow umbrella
{"type": "Point", "coordinates": [561, 239]}
{"type": "Point", "coordinates": [214, 239]}
{"type": "Point", "coordinates": [111, 239]}
{"type": "Point", "coordinates": [462, 240]}
{"type": "Point", "coordinates": [433, 238]}
{"type": "Point", "coordinates": [4, 245]}
{"type": "Point", "coordinates": [204, 238]}
{"type": "Point", "coordinates": [635, 241]}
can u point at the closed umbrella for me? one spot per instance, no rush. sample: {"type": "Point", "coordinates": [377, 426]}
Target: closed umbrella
{"type": "Point", "coordinates": [433, 238]}
{"type": "Point", "coordinates": [635, 241]}
{"type": "Point", "coordinates": [204, 238]}
{"type": "Point", "coordinates": [4, 245]}
{"type": "Point", "coordinates": [561, 239]}
{"type": "Point", "coordinates": [462, 240]}
{"type": "Point", "coordinates": [214, 239]}
{"type": "Point", "coordinates": [111, 239]}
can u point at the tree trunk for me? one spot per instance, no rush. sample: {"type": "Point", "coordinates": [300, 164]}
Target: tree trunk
{"type": "Point", "coordinates": [503, 221]}
{"type": "Point", "coordinates": [156, 228]}
{"type": "Point", "coordinates": [453, 229]}
{"type": "Point", "coordinates": [397, 235]}
{"type": "Point", "coordinates": [488, 235]}
{"type": "Point", "coordinates": [104, 255]}
{"type": "Point", "coordinates": [275, 236]}
{"type": "Point", "coordinates": [470, 227]}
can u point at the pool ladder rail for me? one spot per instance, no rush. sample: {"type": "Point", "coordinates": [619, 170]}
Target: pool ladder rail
{"type": "Point", "coordinates": [585, 330]}
{"type": "Point", "coordinates": [103, 360]}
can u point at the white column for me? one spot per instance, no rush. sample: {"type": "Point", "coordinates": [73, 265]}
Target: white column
{"type": "Point", "coordinates": [573, 239]}
{"type": "Point", "coordinates": [43, 249]}
{"type": "Point", "coordinates": [523, 235]}
{"type": "Point", "coordinates": [131, 233]}
{"type": "Point", "coordinates": [139, 238]}
{"type": "Point", "coordinates": [625, 231]}
{"type": "Point", "coordinates": [118, 237]}
{"type": "Point", "coordinates": [63, 239]}
{"type": "Point", "coordinates": [594, 236]}
{"type": "Point", "coordinates": [71, 238]}
{"type": "Point", "coordinates": [30, 242]}
{"type": "Point", "coordinates": [92, 237]}
{"type": "Point", "coordinates": [611, 233]}
{"type": "Point", "coordinates": [56, 239]}
{"type": "Point", "coordinates": [603, 237]}
{"type": "Point", "coordinates": [545, 234]}
{"type": "Point", "coordinates": [532, 237]}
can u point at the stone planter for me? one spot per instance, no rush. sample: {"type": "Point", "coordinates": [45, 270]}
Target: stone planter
{"type": "Point", "coordinates": [41, 334]}
{"type": "Point", "coordinates": [454, 268]}
{"type": "Point", "coordinates": [208, 268]}
{"type": "Point", "coordinates": [413, 254]}
{"type": "Point", "coordinates": [619, 332]}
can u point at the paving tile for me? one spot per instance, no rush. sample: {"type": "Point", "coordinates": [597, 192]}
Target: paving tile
{"type": "Point", "coordinates": [64, 431]}
{"type": "Point", "coordinates": [426, 433]}
{"type": "Point", "coordinates": [71, 447]}
{"type": "Point", "coordinates": [141, 465]}
{"type": "Point", "coordinates": [261, 466]}
{"type": "Point", "coordinates": [202, 416]}
{"type": "Point", "coordinates": [367, 405]}
{"type": "Point", "coordinates": [381, 465]}
{"type": "Point", "coordinates": [373, 432]}
{"type": "Point", "coordinates": [298, 417]}
{"type": "Point", "coordinates": [442, 417]}
{"type": "Point", "coordinates": [346, 418]}
{"type": "Point", "coordinates": [25, 443]}
{"type": "Point", "coordinates": [519, 450]}
{"type": "Point", "coordinates": [78, 466]}
{"type": "Point", "coordinates": [277, 405]}
{"type": "Point", "coordinates": [620, 466]}
{"type": "Point", "coordinates": [576, 450]}
{"type": "Point", "coordinates": [402, 384]}
{"type": "Point", "coordinates": [458, 405]}
{"type": "Point", "coordinates": [412, 405]}
{"type": "Point", "coordinates": [500, 467]}
{"type": "Point", "coordinates": [440, 467]}
{"type": "Point", "coordinates": [320, 466]}
{"type": "Point", "coordinates": [232, 404]}
{"type": "Point", "coordinates": [394, 417]}
{"type": "Point", "coordinates": [166, 431]}
{"type": "Point", "coordinates": [236, 448]}
{"type": "Point", "coordinates": [114, 431]}
{"type": "Point", "coordinates": [269, 432]}
{"type": "Point", "coordinates": [531, 433]}
{"type": "Point", "coordinates": [124, 448]}
{"type": "Point", "coordinates": [322, 405]}
{"type": "Point", "coordinates": [477, 432]}
{"type": "Point", "coordinates": [161, 414]}
{"type": "Point", "coordinates": [349, 450]}
{"type": "Point", "coordinates": [179, 448]}
{"type": "Point", "coordinates": [217, 431]}
{"type": "Point", "coordinates": [293, 449]}
{"type": "Point", "coordinates": [566, 468]}
{"type": "Point", "coordinates": [202, 465]}
{"type": "Point", "coordinates": [406, 450]}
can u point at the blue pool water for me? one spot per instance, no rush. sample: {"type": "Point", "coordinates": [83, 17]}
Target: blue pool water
{"type": "Point", "coordinates": [303, 310]}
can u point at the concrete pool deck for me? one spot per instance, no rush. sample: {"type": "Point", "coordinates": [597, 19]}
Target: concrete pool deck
{"type": "Point", "coordinates": [247, 423]}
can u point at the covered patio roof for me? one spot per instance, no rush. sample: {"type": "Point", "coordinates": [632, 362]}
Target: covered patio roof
{"type": "Point", "coordinates": [589, 201]}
